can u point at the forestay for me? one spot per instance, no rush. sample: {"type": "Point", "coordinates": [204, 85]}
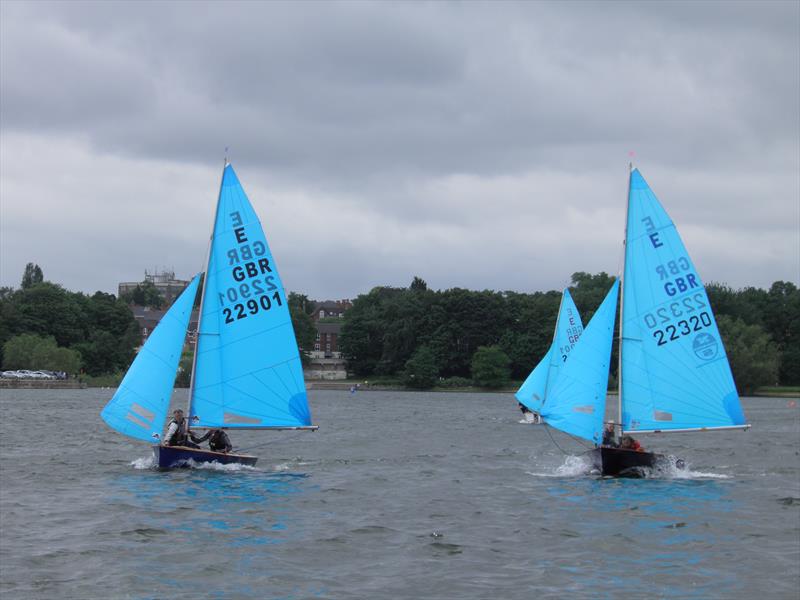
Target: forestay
{"type": "Point", "coordinates": [533, 392]}
{"type": "Point", "coordinates": [139, 408]}
{"type": "Point", "coordinates": [248, 372]}
{"type": "Point", "coordinates": [577, 399]}
{"type": "Point", "coordinates": [675, 373]}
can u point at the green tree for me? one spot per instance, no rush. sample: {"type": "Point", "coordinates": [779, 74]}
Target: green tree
{"type": "Point", "coordinates": [144, 294]}
{"type": "Point", "coordinates": [184, 376]}
{"type": "Point", "coordinates": [28, 351]}
{"type": "Point", "coordinates": [99, 353]}
{"type": "Point", "coordinates": [48, 309]}
{"type": "Point", "coordinates": [303, 325]}
{"type": "Point", "coordinates": [782, 322]}
{"type": "Point", "coordinates": [418, 285]}
{"type": "Point", "coordinates": [753, 357]}
{"type": "Point", "coordinates": [490, 367]}
{"type": "Point", "coordinates": [421, 371]}
{"type": "Point", "coordinates": [32, 275]}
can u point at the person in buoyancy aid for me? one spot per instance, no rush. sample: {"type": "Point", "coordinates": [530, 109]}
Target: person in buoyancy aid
{"type": "Point", "coordinates": [608, 436]}
{"type": "Point", "coordinates": [178, 431]}
{"type": "Point", "coordinates": [628, 443]}
{"type": "Point", "coordinates": [218, 440]}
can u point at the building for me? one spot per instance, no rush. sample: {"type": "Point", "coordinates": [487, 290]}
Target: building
{"type": "Point", "coordinates": [164, 281]}
{"type": "Point", "coordinates": [328, 316]}
{"type": "Point", "coordinates": [326, 359]}
{"type": "Point", "coordinates": [148, 318]}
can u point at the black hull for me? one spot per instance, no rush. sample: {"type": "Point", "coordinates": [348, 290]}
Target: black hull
{"type": "Point", "coordinates": [620, 462]}
{"type": "Point", "coordinates": [174, 457]}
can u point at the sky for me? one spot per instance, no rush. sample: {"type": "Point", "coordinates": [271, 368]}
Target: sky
{"type": "Point", "coordinates": [482, 145]}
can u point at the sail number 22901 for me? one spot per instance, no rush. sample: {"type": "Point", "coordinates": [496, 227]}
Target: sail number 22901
{"type": "Point", "coordinates": [251, 307]}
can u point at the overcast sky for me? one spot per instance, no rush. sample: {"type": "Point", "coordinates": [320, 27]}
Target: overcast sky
{"type": "Point", "coordinates": [476, 145]}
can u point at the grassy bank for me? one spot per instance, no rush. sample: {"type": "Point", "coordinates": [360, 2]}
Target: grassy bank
{"type": "Point", "coordinates": [778, 391]}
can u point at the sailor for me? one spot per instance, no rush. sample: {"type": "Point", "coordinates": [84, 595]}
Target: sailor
{"type": "Point", "coordinates": [608, 436]}
{"type": "Point", "coordinates": [218, 440]}
{"type": "Point", "coordinates": [178, 431]}
{"type": "Point", "coordinates": [628, 443]}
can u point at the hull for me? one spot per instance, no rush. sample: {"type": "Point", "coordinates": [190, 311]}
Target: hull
{"type": "Point", "coordinates": [172, 457]}
{"type": "Point", "coordinates": [619, 462]}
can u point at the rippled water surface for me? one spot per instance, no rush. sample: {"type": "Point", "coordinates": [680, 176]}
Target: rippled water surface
{"type": "Point", "coordinates": [399, 495]}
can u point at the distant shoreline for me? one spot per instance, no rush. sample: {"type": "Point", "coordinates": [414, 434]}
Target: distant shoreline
{"type": "Point", "coordinates": [41, 384]}
{"type": "Point", "coordinates": [74, 384]}
{"type": "Point", "coordinates": [780, 392]}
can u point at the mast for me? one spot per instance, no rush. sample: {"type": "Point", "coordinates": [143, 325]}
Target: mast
{"type": "Point", "coordinates": [622, 299]}
{"type": "Point", "coordinates": [203, 297]}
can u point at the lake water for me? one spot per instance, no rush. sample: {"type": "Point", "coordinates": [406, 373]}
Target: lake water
{"type": "Point", "coordinates": [398, 495]}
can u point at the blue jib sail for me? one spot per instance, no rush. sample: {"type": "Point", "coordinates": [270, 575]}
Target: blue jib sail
{"type": "Point", "coordinates": [139, 408]}
{"type": "Point", "coordinates": [569, 327]}
{"type": "Point", "coordinates": [675, 373]}
{"type": "Point", "coordinates": [248, 372]}
{"type": "Point", "coordinates": [576, 402]}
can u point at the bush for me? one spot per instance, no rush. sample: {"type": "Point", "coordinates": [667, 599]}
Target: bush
{"type": "Point", "coordinates": [753, 356]}
{"type": "Point", "coordinates": [29, 351]}
{"type": "Point", "coordinates": [454, 382]}
{"type": "Point", "coordinates": [490, 367]}
{"type": "Point", "coordinates": [421, 371]}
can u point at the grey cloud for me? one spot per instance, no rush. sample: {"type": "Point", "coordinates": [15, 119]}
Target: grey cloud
{"type": "Point", "coordinates": [462, 120]}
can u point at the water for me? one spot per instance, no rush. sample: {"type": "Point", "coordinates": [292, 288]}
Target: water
{"type": "Point", "coordinates": [399, 495]}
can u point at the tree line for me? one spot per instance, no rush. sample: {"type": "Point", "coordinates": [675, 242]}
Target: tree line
{"type": "Point", "coordinates": [44, 326]}
{"type": "Point", "coordinates": [423, 337]}
{"type": "Point", "coordinates": [457, 336]}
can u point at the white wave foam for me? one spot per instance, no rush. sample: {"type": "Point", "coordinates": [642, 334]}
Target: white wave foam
{"type": "Point", "coordinates": [215, 466]}
{"type": "Point", "coordinates": [674, 472]}
{"type": "Point", "coordinates": [573, 466]}
{"type": "Point", "coordinates": [146, 462]}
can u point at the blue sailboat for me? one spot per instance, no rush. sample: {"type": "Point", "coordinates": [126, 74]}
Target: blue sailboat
{"type": "Point", "coordinates": [674, 375]}
{"type": "Point", "coordinates": [533, 392]}
{"type": "Point", "coordinates": [246, 371]}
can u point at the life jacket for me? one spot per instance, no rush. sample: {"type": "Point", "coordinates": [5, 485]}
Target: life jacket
{"type": "Point", "coordinates": [219, 441]}
{"type": "Point", "coordinates": [180, 437]}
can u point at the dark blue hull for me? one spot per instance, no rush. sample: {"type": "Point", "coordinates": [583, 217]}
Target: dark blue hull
{"type": "Point", "coordinates": [173, 457]}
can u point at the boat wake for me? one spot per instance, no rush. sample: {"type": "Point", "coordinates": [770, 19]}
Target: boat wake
{"type": "Point", "coordinates": [146, 462]}
{"type": "Point", "coordinates": [573, 466]}
{"type": "Point", "coordinates": [672, 468]}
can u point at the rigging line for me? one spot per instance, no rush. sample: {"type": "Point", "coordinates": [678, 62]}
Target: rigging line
{"type": "Point", "coordinates": [547, 429]}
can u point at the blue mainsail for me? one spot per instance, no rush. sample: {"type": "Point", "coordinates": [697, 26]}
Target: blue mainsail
{"type": "Point", "coordinates": [577, 399]}
{"type": "Point", "coordinates": [139, 408]}
{"type": "Point", "coordinates": [247, 370]}
{"type": "Point", "coordinates": [674, 370]}
{"type": "Point", "coordinates": [533, 392]}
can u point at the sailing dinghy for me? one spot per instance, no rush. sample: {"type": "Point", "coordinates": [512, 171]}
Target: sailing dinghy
{"type": "Point", "coordinates": [246, 370]}
{"type": "Point", "coordinates": [533, 392]}
{"type": "Point", "coordinates": [674, 375]}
